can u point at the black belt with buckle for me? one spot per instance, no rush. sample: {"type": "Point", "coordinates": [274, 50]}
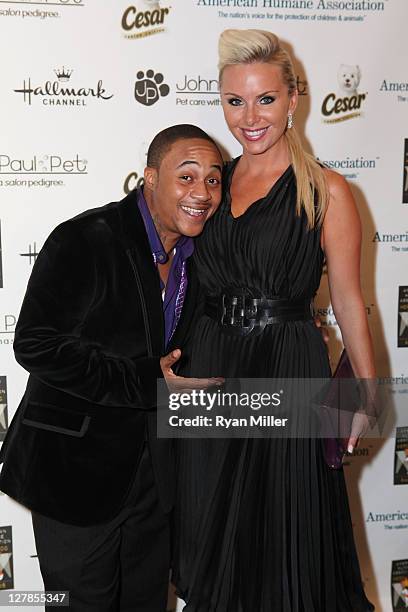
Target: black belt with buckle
{"type": "Point", "coordinates": [239, 312]}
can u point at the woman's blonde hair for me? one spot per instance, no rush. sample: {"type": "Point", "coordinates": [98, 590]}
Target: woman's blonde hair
{"type": "Point", "coordinates": [251, 46]}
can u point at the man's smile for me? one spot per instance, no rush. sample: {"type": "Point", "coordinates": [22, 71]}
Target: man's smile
{"type": "Point", "coordinates": [193, 211]}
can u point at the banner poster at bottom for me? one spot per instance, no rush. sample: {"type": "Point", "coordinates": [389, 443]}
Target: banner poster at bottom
{"type": "Point", "coordinates": [399, 585]}
{"type": "Point", "coordinates": [6, 558]}
{"type": "Point", "coordinates": [401, 456]}
{"type": "Point", "coordinates": [403, 317]}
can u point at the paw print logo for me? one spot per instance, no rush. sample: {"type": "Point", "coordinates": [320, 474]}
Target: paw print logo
{"type": "Point", "coordinates": [149, 87]}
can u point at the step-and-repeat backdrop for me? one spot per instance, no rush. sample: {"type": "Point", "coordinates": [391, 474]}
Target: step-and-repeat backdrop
{"type": "Point", "coordinates": [84, 87]}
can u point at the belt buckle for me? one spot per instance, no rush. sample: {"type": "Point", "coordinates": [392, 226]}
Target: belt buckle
{"type": "Point", "coordinates": [239, 315]}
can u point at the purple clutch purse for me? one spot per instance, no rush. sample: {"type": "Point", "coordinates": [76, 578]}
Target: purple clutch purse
{"type": "Point", "coordinates": [337, 421]}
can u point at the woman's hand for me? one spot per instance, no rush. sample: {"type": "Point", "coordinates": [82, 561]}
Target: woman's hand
{"type": "Point", "coordinates": [368, 415]}
{"type": "Point", "coordinates": [359, 427]}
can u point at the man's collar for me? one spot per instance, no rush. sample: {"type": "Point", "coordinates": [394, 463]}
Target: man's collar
{"type": "Point", "coordinates": [184, 243]}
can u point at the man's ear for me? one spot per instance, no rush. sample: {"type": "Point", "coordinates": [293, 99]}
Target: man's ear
{"type": "Point", "coordinates": [151, 177]}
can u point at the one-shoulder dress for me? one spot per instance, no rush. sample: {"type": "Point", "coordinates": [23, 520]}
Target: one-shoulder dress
{"type": "Point", "coordinates": [262, 525]}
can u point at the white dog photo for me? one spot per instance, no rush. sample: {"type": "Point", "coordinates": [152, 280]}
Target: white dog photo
{"type": "Point", "coordinates": [152, 4]}
{"type": "Point", "coordinates": [349, 79]}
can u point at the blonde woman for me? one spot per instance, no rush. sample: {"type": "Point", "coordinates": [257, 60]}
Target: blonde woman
{"type": "Point", "coordinates": [264, 525]}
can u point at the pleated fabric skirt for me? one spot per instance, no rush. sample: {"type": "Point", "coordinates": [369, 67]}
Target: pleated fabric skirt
{"type": "Point", "coordinates": [261, 526]}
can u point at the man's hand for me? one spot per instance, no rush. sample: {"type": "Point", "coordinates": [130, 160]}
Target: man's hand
{"type": "Point", "coordinates": [181, 384]}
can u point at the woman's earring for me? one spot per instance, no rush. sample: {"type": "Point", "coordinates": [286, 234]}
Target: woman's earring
{"type": "Point", "coordinates": [290, 121]}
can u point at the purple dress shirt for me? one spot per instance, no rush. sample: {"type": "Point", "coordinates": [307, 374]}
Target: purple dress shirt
{"type": "Point", "coordinates": [176, 287]}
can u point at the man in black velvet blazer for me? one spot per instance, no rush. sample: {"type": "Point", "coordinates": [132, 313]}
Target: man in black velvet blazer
{"type": "Point", "coordinates": [82, 452]}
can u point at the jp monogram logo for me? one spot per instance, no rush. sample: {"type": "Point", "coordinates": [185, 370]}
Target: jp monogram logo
{"type": "Point", "coordinates": [150, 87]}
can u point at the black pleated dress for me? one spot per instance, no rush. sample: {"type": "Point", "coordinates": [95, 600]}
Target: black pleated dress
{"type": "Point", "coordinates": [262, 525]}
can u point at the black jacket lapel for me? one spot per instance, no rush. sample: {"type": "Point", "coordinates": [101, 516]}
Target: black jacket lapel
{"type": "Point", "coordinates": [146, 275]}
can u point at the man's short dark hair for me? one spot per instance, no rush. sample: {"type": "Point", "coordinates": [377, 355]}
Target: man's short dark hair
{"type": "Point", "coordinates": [163, 141]}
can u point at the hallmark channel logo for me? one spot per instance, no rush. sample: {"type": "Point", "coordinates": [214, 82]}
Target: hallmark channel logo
{"type": "Point", "coordinates": [3, 407]}
{"type": "Point", "coordinates": [150, 87]}
{"type": "Point", "coordinates": [7, 328]}
{"type": "Point", "coordinates": [399, 585]}
{"type": "Point", "coordinates": [405, 174]}
{"type": "Point", "coordinates": [6, 558]}
{"type": "Point", "coordinates": [403, 317]}
{"type": "Point", "coordinates": [1, 261]}
{"type": "Point", "coordinates": [347, 103]}
{"type": "Point", "coordinates": [302, 86]}
{"type": "Point", "coordinates": [59, 92]}
{"type": "Point", "coordinates": [31, 253]}
{"type": "Point", "coordinates": [401, 456]}
{"type": "Point", "coordinates": [146, 19]}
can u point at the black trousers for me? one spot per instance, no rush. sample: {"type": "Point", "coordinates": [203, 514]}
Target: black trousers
{"type": "Point", "coordinates": [122, 565]}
